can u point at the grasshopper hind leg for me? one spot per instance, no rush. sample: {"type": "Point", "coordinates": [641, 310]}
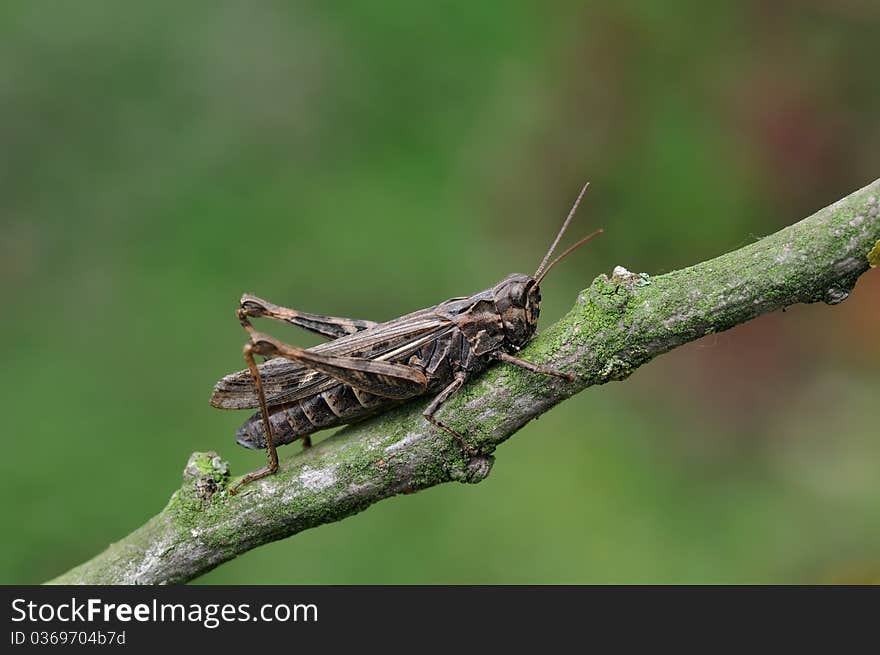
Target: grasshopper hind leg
{"type": "Point", "coordinates": [272, 465]}
{"type": "Point", "coordinates": [331, 327]}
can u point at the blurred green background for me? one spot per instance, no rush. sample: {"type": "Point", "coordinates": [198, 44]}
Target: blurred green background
{"type": "Point", "coordinates": [366, 159]}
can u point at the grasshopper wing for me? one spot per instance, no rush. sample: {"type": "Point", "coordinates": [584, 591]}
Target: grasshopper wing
{"type": "Point", "coordinates": [286, 381]}
{"type": "Point", "coordinates": [397, 381]}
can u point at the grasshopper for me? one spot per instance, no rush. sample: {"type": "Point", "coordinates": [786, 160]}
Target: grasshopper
{"type": "Point", "coordinates": [368, 367]}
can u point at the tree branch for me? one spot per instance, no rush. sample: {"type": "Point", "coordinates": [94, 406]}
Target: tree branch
{"type": "Point", "coordinates": [618, 324]}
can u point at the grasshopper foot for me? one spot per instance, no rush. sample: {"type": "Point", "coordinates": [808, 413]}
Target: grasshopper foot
{"type": "Point", "coordinates": [467, 450]}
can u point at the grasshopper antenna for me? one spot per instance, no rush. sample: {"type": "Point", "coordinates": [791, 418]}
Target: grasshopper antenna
{"type": "Point", "coordinates": [541, 272]}
{"type": "Point", "coordinates": [568, 251]}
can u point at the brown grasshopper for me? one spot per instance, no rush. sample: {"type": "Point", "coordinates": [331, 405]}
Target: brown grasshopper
{"type": "Point", "coordinates": [368, 367]}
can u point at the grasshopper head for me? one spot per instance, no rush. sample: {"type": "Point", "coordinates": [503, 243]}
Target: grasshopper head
{"type": "Point", "coordinates": [518, 296]}
{"type": "Point", "coordinates": [518, 300]}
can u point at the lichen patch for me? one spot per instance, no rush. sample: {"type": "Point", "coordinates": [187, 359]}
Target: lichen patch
{"type": "Point", "coordinates": [874, 255]}
{"type": "Point", "coordinates": [407, 441]}
{"type": "Point", "coordinates": [318, 479]}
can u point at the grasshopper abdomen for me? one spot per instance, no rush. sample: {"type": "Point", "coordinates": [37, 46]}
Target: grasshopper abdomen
{"type": "Point", "coordinates": [294, 420]}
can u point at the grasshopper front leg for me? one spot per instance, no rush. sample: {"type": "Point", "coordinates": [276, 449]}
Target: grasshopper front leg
{"type": "Point", "coordinates": [534, 368]}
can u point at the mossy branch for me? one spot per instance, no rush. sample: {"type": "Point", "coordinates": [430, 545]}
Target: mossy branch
{"type": "Point", "coordinates": [618, 323]}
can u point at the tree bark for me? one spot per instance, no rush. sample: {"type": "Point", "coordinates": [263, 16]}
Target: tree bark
{"type": "Point", "coordinates": [619, 323]}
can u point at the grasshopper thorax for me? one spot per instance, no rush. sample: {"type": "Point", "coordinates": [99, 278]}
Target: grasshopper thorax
{"type": "Point", "coordinates": [518, 302]}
